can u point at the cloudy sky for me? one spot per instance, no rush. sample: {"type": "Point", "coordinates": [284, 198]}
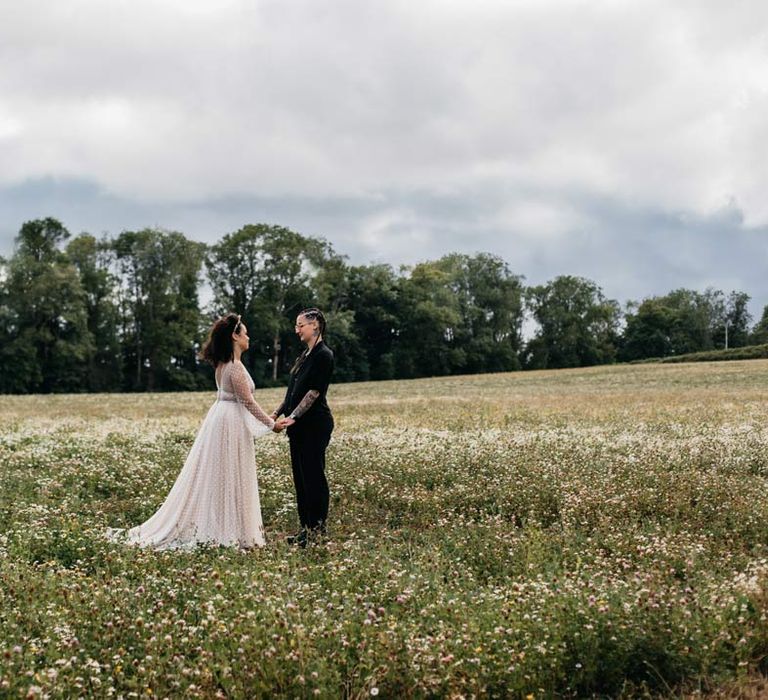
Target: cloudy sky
{"type": "Point", "coordinates": [619, 140]}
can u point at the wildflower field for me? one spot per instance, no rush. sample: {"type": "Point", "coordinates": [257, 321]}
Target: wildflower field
{"type": "Point", "coordinates": [595, 532]}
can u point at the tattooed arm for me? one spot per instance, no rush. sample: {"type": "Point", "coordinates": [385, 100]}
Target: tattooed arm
{"type": "Point", "coordinates": [305, 404]}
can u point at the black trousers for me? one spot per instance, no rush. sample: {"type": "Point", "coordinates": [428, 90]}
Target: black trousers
{"type": "Point", "coordinates": [308, 463]}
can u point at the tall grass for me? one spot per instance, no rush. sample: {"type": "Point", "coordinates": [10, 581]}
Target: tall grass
{"type": "Point", "coordinates": [599, 532]}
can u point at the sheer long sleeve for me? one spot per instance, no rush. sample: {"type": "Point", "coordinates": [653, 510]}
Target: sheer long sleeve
{"type": "Point", "coordinates": [242, 389]}
{"type": "Point", "coordinates": [305, 404]}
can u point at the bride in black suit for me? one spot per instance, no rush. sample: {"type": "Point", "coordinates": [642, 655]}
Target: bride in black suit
{"type": "Point", "coordinates": [309, 424]}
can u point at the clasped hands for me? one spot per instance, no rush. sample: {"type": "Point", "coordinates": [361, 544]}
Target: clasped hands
{"type": "Point", "coordinates": [282, 423]}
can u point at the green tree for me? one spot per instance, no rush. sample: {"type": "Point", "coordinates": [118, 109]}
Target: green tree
{"type": "Point", "coordinates": [578, 326]}
{"type": "Point", "coordinates": [729, 318]}
{"type": "Point", "coordinates": [738, 319]}
{"type": "Point", "coordinates": [682, 321]}
{"type": "Point", "coordinates": [759, 334]}
{"type": "Point", "coordinates": [692, 320]}
{"type": "Point", "coordinates": [648, 330]}
{"type": "Point", "coordinates": [93, 260]}
{"type": "Point", "coordinates": [43, 320]}
{"type": "Point", "coordinates": [460, 313]}
{"type": "Point", "coordinates": [292, 262]}
{"type": "Point", "coordinates": [265, 273]}
{"type": "Point", "coordinates": [332, 285]}
{"type": "Point", "coordinates": [374, 296]}
{"type": "Point", "coordinates": [159, 277]}
{"type": "Point", "coordinates": [491, 309]}
{"type": "Point", "coordinates": [429, 314]}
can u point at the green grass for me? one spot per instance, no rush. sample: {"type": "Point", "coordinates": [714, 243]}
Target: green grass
{"type": "Point", "coordinates": [599, 532]}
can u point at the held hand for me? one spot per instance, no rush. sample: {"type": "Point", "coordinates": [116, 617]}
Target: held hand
{"type": "Point", "coordinates": [282, 424]}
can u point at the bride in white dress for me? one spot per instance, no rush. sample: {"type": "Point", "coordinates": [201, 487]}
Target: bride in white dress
{"type": "Point", "coordinates": [215, 498]}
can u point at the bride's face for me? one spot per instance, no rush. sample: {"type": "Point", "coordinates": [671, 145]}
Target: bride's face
{"type": "Point", "coordinates": [305, 328]}
{"type": "Point", "coordinates": [241, 339]}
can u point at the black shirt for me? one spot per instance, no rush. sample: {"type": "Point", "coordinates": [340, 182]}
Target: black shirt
{"type": "Point", "coordinates": [314, 373]}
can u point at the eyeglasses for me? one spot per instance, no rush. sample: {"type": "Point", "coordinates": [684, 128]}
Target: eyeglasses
{"type": "Point", "coordinates": [310, 315]}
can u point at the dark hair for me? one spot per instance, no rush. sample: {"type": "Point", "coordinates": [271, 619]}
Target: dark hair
{"type": "Point", "coordinates": [218, 346]}
{"type": "Point", "coordinates": [313, 315]}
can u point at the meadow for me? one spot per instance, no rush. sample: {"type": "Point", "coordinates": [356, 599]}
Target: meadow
{"type": "Point", "coordinates": [597, 532]}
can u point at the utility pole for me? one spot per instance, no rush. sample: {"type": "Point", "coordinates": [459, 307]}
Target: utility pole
{"type": "Point", "coordinates": [726, 334]}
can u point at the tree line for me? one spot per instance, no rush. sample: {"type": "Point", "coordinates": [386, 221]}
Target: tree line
{"type": "Point", "coordinates": [124, 313]}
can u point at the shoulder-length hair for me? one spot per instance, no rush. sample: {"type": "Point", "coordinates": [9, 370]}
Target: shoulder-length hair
{"type": "Point", "coordinates": [218, 346]}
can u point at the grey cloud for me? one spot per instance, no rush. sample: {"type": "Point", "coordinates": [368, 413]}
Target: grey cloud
{"type": "Point", "coordinates": [630, 252]}
{"type": "Point", "coordinates": [621, 140]}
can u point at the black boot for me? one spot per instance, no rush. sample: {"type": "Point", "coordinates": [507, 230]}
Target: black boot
{"type": "Point", "coordinates": [300, 538]}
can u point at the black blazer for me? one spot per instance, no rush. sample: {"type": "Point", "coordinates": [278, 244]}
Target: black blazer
{"type": "Point", "coordinates": [315, 373]}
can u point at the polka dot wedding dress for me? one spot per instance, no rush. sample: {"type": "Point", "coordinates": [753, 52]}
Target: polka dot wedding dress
{"type": "Point", "coordinates": [215, 499]}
